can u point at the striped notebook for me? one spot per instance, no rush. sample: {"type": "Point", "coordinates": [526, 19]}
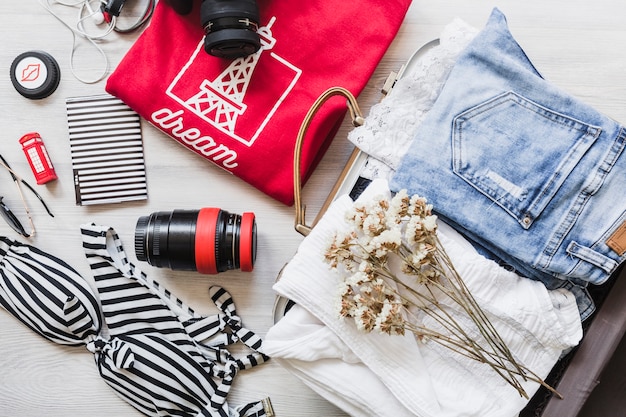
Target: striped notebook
{"type": "Point", "coordinates": [106, 150]}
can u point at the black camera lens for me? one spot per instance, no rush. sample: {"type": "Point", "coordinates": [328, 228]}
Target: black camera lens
{"type": "Point", "coordinates": [209, 240]}
{"type": "Point", "coordinates": [230, 27]}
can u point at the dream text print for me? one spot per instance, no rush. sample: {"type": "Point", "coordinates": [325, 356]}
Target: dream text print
{"type": "Point", "coordinates": [172, 122]}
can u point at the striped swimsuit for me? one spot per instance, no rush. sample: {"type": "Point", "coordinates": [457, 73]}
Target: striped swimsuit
{"type": "Point", "coordinates": [153, 350]}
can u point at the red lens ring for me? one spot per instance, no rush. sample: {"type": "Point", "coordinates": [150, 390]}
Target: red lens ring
{"type": "Point", "coordinates": [205, 240]}
{"type": "Point", "coordinates": [246, 244]}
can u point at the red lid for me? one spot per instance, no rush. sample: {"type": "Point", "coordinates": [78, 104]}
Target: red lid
{"type": "Point", "coordinates": [247, 242]}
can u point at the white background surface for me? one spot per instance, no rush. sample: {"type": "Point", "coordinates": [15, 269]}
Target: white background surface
{"type": "Point", "coordinates": [578, 45]}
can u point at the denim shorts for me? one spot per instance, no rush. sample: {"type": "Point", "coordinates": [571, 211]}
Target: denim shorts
{"type": "Point", "coordinates": [533, 176]}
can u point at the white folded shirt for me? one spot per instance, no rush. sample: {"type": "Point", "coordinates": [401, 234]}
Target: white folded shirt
{"type": "Point", "coordinates": [371, 374]}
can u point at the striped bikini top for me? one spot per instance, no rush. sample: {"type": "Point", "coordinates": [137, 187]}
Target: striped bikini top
{"type": "Point", "coordinates": [157, 353]}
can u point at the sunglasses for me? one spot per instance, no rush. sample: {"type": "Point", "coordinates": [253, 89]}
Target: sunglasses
{"type": "Point", "coordinates": [6, 212]}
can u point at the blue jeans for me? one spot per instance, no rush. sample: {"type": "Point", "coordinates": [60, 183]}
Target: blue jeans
{"type": "Point", "coordinates": [531, 175]}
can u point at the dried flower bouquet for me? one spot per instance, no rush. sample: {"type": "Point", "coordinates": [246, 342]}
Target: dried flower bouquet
{"type": "Point", "coordinates": [397, 274]}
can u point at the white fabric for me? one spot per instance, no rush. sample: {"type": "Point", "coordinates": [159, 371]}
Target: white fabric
{"type": "Point", "coordinates": [314, 353]}
{"type": "Point", "coordinates": [391, 124]}
{"type": "Point", "coordinates": [380, 375]}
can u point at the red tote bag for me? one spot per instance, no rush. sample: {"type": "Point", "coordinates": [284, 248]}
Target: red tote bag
{"type": "Point", "coordinates": [243, 115]}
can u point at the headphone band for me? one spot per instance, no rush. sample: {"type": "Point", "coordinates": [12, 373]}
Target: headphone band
{"type": "Point", "coordinates": [113, 7]}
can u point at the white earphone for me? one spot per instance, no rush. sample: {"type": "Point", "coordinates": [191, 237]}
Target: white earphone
{"type": "Point", "coordinates": [97, 16]}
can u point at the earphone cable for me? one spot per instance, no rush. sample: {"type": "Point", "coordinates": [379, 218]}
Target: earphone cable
{"type": "Point", "coordinates": [46, 4]}
{"type": "Point", "coordinates": [82, 17]}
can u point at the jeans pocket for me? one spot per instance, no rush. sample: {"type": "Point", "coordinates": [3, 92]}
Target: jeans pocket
{"type": "Point", "coordinates": [517, 152]}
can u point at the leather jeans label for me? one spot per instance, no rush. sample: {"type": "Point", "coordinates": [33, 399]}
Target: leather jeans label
{"type": "Point", "coordinates": [617, 241]}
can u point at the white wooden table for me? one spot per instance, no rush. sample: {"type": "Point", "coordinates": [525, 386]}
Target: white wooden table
{"type": "Point", "coordinates": [579, 45]}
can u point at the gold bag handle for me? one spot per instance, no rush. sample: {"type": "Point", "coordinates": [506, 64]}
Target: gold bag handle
{"type": "Point", "coordinates": [357, 120]}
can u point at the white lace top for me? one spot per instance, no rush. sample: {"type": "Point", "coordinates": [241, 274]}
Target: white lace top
{"type": "Point", "coordinates": [391, 124]}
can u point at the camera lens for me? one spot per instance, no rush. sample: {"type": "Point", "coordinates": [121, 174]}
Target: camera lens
{"type": "Point", "coordinates": [230, 27]}
{"type": "Point", "coordinates": [209, 240]}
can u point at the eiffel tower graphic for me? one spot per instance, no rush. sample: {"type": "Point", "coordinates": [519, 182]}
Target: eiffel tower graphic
{"type": "Point", "coordinates": [221, 101]}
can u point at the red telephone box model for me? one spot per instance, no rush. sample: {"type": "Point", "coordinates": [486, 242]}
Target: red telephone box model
{"type": "Point", "coordinates": [38, 158]}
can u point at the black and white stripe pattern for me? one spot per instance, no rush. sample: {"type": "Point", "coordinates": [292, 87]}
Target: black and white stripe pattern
{"type": "Point", "coordinates": [175, 362]}
{"type": "Point", "coordinates": [159, 355]}
{"type": "Point", "coordinates": [106, 150]}
{"type": "Point", "coordinates": [46, 294]}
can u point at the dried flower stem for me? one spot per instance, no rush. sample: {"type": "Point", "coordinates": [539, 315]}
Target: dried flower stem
{"type": "Point", "coordinates": [405, 228]}
{"type": "Point", "coordinates": [460, 342]}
